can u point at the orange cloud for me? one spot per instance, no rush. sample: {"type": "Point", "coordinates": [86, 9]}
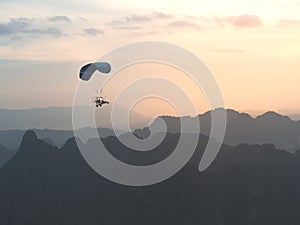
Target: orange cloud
{"type": "Point", "coordinates": [245, 21]}
{"type": "Point", "coordinates": [241, 21]}
{"type": "Point", "coordinates": [183, 24]}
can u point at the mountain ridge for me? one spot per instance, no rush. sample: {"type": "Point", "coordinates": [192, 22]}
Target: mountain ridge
{"type": "Point", "coordinates": [268, 128]}
{"type": "Point", "coordinates": [50, 186]}
{"type": "Point", "coordinates": [59, 118]}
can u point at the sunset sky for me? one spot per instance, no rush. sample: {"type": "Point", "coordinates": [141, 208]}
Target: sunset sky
{"type": "Point", "coordinates": [252, 47]}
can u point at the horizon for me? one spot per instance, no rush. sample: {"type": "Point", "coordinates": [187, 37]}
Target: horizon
{"type": "Point", "coordinates": [294, 117]}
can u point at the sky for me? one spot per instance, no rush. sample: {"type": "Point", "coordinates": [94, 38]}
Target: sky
{"type": "Point", "coordinates": [251, 47]}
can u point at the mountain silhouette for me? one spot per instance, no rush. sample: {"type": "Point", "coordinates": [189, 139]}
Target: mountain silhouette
{"type": "Point", "coordinates": [271, 128]}
{"type": "Point", "coordinates": [247, 184]}
{"type": "Point", "coordinates": [59, 118]}
{"type": "Point", "coordinates": [11, 139]}
{"type": "Point", "coordinates": [5, 155]}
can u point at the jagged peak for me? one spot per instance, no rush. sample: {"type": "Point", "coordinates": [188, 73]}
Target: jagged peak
{"type": "Point", "coordinates": [71, 146]}
{"type": "Point", "coordinates": [272, 114]}
{"type": "Point", "coordinates": [29, 136]}
{"type": "Point", "coordinates": [71, 141]}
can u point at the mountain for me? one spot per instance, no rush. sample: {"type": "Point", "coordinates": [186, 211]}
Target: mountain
{"type": "Point", "coordinates": [5, 155]}
{"type": "Point", "coordinates": [295, 116]}
{"type": "Point", "coordinates": [11, 139]}
{"type": "Point", "coordinates": [247, 184]}
{"type": "Point", "coordinates": [270, 127]}
{"type": "Point", "coordinates": [59, 118]}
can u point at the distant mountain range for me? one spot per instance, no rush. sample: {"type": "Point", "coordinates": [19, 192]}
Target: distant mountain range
{"type": "Point", "coordinates": [247, 184]}
{"type": "Point", "coordinates": [11, 139]}
{"type": "Point", "coordinates": [58, 118]}
{"type": "Point", "coordinates": [269, 128]}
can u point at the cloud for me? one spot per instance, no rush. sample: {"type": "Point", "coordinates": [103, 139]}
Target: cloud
{"type": "Point", "coordinates": [137, 18]}
{"type": "Point", "coordinates": [122, 25]}
{"type": "Point", "coordinates": [58, 18]}
{"type": "Point", "coordinates": [50, 31]}
{"type": "Point", "coordinates": [245, 21]}
{"type": "Point", "coordinates": [27, 26]}
{"type": "Point", "coordinates": [133, 21]}
{"type": "Point", "coordinates": [93, 31]}
{"type": "Point", "coordinates": [287, 23]}
{"type": "Point", "coordinates": [160, 15]}
{"type": "Point", "coordinates": [116, 23]}
{"type": "Point", "coordinates": [241, 21]}
{"type": "Point", "coordinates": [16, 38]}
{"type": "Point", "coordinates": [182, 24]}
{"type": "Point", "coordinates": [128, 28]}
{"type": "Point", "coordinates": [14, 25]}
{"type": "Point", "coordinates": [148, 17]}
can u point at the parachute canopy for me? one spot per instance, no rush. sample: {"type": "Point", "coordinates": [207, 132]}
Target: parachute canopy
{"type": "Point", "coordinates": [87, 70]}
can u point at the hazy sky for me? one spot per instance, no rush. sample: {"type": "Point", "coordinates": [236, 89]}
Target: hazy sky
{"type": "Point", "coordinates": [251, 46]}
